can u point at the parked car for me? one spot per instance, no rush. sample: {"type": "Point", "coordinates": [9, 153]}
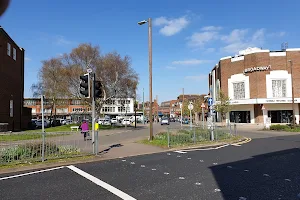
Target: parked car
{"type": "Point", "coordinates": [165, 120]}
{"type": "Point", "coordinates": [114, 121]}
{"type": "Point", "coordinates": [126, 122]}
{"type": "Point", "coordinates": [38, 124]}
{"type": "Point", "coordinates": [107, 122]}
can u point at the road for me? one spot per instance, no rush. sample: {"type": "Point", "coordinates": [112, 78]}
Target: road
{"type": "Point", "coordinates": [266, 168]}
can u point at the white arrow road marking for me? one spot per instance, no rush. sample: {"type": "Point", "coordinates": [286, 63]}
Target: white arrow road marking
{"type": "Point", "coordinates": [180, 152]}
{"type": "Point", "coordinates": [142, 165]}
{"type": "Point", "coordinates": [97, 181]}
{"type": "Point", "coordinates": [181, 178]}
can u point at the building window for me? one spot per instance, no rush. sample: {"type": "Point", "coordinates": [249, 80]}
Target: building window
{"type": "Point", "coordinates": [8, 49]}
{"type": "Point", "coordinates": [279, 88]}
{"type": "Point", "coordinates": [14, 54]}
{"type": "Point", "coordinates": [239, 90]}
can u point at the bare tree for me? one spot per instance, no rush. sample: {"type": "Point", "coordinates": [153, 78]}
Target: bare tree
{"type": "Point", "coordinates": [51, 82]}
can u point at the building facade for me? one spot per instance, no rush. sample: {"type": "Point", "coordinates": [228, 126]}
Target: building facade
{"type": "Point", "coordinates": [76, 109]}
{"type": "Point", "coordinates": [259, 85]}
{"type": "Point", "coordinates": [12, 111]}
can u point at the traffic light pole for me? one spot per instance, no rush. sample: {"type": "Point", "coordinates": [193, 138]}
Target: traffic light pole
{"type": "Point", "coordinates": [93, 114]}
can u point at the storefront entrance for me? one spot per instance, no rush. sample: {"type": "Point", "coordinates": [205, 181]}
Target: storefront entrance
{"type": "Point", "coordinates": [240, 116]}
{"type": "Point", "coordinates": [281, 116]}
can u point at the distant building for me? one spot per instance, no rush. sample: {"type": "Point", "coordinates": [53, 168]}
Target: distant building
{"type": "Point", "coordinates": [76, 110]}
{"type": "Point", "coordinates": [12, 113]}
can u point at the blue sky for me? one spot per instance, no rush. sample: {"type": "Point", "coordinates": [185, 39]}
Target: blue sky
{"type": "Point", "coordinates": [189, 37]}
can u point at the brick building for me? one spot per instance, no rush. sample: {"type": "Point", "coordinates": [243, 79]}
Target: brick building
{"type": "Point", "coordinates": [12, 113]}
{"type": "Point", "coordinates": [259, 85]}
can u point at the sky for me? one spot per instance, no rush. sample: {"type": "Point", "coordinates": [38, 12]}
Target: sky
{"type": "Point", "coordinates": [189, 37]}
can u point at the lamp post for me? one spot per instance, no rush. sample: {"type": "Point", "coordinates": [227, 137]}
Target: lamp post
{"type": "Point", "coordinates": [150, 70]}
{"type": "Point", "coordinates": [293, 98]}
{"type": "Point", "coordinates": [143, 108]}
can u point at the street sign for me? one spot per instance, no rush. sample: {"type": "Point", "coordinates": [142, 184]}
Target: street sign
{"type": "Point", "coordinates": [210, 101]}
{"type": "Point", "coordinates": [190, 106]}
{"type": "Point", "coordinates": [202, 105]}
{"type": "Point", "coordinates": [263, 107]}
{"type": "Point", "coordinates": [89, 70]}
{"type": "Point", "coordinates": [180, 105]}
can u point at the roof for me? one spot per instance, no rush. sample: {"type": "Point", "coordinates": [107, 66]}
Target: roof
{"type": "Point", "coordinates": [6, 35]}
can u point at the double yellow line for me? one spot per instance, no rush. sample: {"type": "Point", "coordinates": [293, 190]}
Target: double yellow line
{"type": "Point", "coordinates": [243, 142]}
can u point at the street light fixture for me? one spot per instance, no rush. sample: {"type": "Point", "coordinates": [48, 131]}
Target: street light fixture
{"type": "Point", "coordinates": [150, 71]}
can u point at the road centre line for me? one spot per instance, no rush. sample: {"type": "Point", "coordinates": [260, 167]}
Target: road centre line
{"type": "Point", "coordinates": [97, 181]}
{"type": "Point", "coordinates": [30, 173]}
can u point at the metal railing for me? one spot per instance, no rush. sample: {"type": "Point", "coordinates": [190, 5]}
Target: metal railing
{"type": "Point", "coordinates": [197, 134]}
{"type": "Point", "coordinates": [29, 147]}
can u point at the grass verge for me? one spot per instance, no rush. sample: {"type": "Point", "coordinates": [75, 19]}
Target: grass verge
{"type": "Point", "coordinates": [185, 138]}
{"type": "Point", "coordinates": [56, 160]}
{"type": "Point", "coordinates": [67, 128]}
{"type": "Point", "coordinates": [25, 136]}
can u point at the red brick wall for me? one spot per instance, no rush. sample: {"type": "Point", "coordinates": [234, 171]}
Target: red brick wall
{"type": "Point", "coordinates": [258, 79]}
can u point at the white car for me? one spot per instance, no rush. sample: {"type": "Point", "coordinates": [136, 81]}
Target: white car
{"type": "Point", "coordinates": [113, 121]}
{"type": "Point", "coordinates": [165, 121]}
{"type": "Point", "coordinates": [106, 122]}
{"type": "Point", "coordinates": [126, 122]}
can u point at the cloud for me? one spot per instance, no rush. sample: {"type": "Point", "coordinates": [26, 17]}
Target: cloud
{"type": "Point", "coordinates": [210, 50]}
{"type": "Point", "coordinates": [61, 40]}
{"type": "Point", "coordinates": [171, 26]}
{"type": "Point", "coordinates": [170, 67]}
{"type": "Point", "coordinates": [27, 59]}
{"type": "Point", "coordinates": [199, 39]}
{"type": "Point", "coordinates": [211, 28]}
{"type": "Point", "coordinates": [237, 40]}
{"type": "Point", "coordinates": [200, 77]}
{"type": "Point", "coordinates": [190, 62]}
{"type": "Point", "coordinates": [277, 34]}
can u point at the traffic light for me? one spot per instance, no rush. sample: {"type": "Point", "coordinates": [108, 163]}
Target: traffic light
{"type": "Point", "coordinates": [98, 89]}
{"type": "Point", "coordinates": [85, 85]}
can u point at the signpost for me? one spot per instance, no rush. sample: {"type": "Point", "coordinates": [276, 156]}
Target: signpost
{"type": "Point", "coordinates": [180, 114]}
{"type": "Point", "coordinates": [210, 104]}
{"type": "Point", "coordinates": [191, 107]}
{"type": "Point", "coordinates": [202, 107]}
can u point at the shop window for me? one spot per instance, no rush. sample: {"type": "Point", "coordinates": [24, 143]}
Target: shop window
{"type": "Point", "coordinates": [279, 88]}
{"type": "Point", "coordinates": [239, 90]}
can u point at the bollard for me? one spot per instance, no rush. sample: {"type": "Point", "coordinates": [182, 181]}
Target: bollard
{"type": "Point", "coordinates": [96, 143]}
{"type": "Point", "coordinates": [168, 134]}
{"type": "Point", "coordinates": [235, 132]}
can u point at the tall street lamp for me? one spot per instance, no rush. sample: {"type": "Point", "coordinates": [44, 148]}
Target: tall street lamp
{"type": "Point", "coordinates": [150, 71]}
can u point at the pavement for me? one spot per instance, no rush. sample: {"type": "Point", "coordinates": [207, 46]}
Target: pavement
{"type": "Point", "coordinates": [265, 168]}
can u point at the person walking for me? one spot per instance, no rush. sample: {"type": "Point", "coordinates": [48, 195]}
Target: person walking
{"type": "Point", "coordinates": [84, 129]}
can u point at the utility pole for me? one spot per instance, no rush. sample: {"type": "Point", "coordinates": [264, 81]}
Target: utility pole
{"type": "Point", "coordinates": [150, 74]}
{"type": "Point", "coordinates": [43, 128]}
{"type": "Point", "coordinates": [293, 97]}
{"type": "Point", "coordinates": [149, 21]}
{"type": "Point", "coordinates": [143, 108]}
{"type": "Point", "coordinates": [157, 109]}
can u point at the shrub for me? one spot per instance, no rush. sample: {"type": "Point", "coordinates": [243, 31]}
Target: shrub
{"type": "Point", "coordinates": [68, 149]}
{"type": "Point", "coordinates": [279, 127]}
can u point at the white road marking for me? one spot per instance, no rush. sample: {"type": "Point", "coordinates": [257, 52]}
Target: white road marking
{"type": "Point", "coordinates": [215, 163]}
{"type": "Point", "coordinates": [266, 175]}
{"type": "Point", "coordinates": [153, 169]}
{"type": "Point", "coordinates": [230, 167]}
{"type": "Point", "coordinates": [178, 156]}
{"type": "Point", "coordinates": [181, 178]}
{"type": "Point", "coordinates": [217, 190]}
{"type": "Point", "coordinates": [289, 180]}
{"type": "Point", "coordinates": [97, 181]}
{"type": "Point", "coordinates": [166, 173]}
{"type": "Point", "coordinates": [201, 161]}
{"type": "Point", "coordinates": [242, 198]}
{"type": "Point", "coordinates": [180, 152]}
{"type": "Point", "coordinates": [198, 183]}
{"type": "Point", "coordinates": [133, 163]}
{"type": "Point", "coordinates": [189, 158]}
{"type": "Point", "coordinates": [142, 165]}
{"type": "Point", "coordinates": [246, 170]}
{"type": "Point", "coordinates": [30, 173]}
{"type": "Point", "coordinates": [123, 160]}
{"type": "Point", "coordinates": [206, 149]}
{"type": "Point", "coordinates": [168, 154]}
{"type": "Point", "coordinates": [236, 145]}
